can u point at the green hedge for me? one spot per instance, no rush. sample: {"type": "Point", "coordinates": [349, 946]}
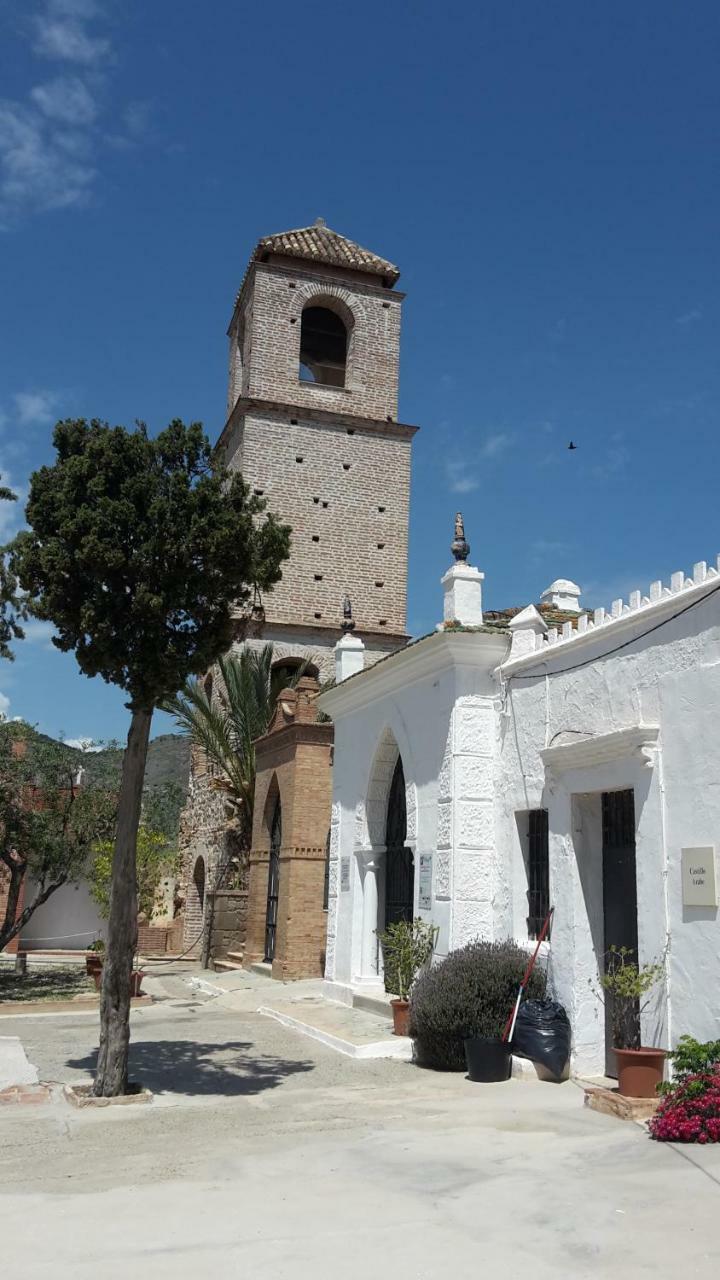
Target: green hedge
{"type": "Point", "coordinates": [470, 993]}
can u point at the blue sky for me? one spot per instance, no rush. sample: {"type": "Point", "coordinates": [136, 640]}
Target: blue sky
{"type": "Point", "coordinates": [546, 176]}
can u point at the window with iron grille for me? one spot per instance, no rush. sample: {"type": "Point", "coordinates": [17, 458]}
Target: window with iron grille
{"type": "Point", "coordinates": [326, 884]}
{"type": "Point", "coordinates": [537, 871]}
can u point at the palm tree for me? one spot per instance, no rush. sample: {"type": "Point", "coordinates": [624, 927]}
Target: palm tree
{"type": "Point", "coordinates": [226, 725]}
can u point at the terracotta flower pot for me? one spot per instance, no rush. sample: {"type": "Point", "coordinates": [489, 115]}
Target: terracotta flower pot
{"type": "Point", "coordinates": [135, 982]}
{"type": "Point", "coordinates": [639, 1071]}
{"type": "Point", "coordinates": [401, 1017]}
{"type": "Point", "coordinates": [93, 963]}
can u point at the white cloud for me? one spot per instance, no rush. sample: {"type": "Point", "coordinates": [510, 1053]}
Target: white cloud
{"type": "Point", "coordinates": [35, 408]}
{"type": "Point", "coordinates": [496, 444]}
{"type": "Point", "coordinates": [460, 479]}
{"type": "Point", "coordinates": [464, 475]}
{"type": "Point", "coordinates": [136, 117]}
{"type": "Point", "coordinates": [12, 514]}
{"type": "Point", "coordinates": [615, 461]}
{"type": "Point", "coordinates": [36, 172]}
{"type": "Point", "coordinates": [66, 99]}
{"type": "Point", "coordinates": [61, 33]}
{"type": "Point", "coordinates": [83, 744]}
{"type": "Point", "coordinates": [50, 139]}
{"type": "Point", "coordinates": [689, 317]}
{"type": "Point", "coordinates": [39, 633]}
{"type": "Point", "coordinates": [4, 706]}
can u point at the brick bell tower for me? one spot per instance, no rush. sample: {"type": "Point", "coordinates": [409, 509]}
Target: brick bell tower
{"type": "Point", "coordinates": [312, 424]}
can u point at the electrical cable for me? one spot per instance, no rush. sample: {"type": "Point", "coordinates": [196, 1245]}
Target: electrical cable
{"type": "Point", "coordinates": [585, 662]}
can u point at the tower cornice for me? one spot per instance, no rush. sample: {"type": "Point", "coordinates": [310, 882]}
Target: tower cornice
{"type": "Point", "coordinates": [324, 417]}
{"type": "Point", "coordinates": [298, 270]}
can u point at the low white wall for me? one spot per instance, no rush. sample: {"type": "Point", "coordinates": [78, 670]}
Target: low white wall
{"type": "Point", "coordinates": [68, 921]}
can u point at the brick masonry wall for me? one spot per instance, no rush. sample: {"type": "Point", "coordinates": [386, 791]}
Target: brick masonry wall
{"type": "Point", "coordinates": [294, 764]}
{"type": "Point", "coordinates": [347, 501]}
{"type": "Point", "coordinates": [156, 940]}
{"type": "Point", "coordinates": [346, 498]}
{"type": "Point", "coordinates": [372, 315]}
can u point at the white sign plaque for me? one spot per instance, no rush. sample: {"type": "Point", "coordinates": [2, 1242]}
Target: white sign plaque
{"type": "Point", "coordinates": [344, 875]}
{"type": "Point", "coordinates": [425, 882]}
{"type": "Point", "coordinates": [698, 877]}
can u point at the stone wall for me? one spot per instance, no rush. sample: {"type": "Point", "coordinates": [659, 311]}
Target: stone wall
{"type": "Point", "coordinates": [203, 836]}
{"type": "Point", "coordinates": [228, 908]}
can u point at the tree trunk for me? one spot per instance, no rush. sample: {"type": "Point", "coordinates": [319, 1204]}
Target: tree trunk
{"type": "Point", "coordinates": [111, 1078]}
{"type": "Point", "coordinates": [11, 925]}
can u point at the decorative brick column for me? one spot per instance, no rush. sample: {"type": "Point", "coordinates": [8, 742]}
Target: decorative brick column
{"type": "Point", "coordinates": [293, 766]}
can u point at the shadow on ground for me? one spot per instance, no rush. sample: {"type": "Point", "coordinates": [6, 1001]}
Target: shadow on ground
{"type": "Point", "coordinates": [45, 982]}
{"type": "Point", "coordinates": [188, 1067]}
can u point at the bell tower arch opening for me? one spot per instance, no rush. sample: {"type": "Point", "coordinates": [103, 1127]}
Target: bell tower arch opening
{"type": "Point", "coordinates": [323, 346]}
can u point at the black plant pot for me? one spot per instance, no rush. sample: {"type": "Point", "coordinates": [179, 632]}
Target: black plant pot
{"type": "Point", "coordinates": [488, 1060]}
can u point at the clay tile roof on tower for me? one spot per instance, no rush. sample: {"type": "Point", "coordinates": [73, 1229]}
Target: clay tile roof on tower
{"type": "Point", "coordinates": [319, 244]}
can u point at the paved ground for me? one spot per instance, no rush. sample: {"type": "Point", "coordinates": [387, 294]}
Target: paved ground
{"type": "Point", "coordinates": [269, 1153]}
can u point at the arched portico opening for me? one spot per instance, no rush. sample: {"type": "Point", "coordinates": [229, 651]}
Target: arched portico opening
{"type": "Point", "coordinates": [385, 852]}
{"type": "Point", "coordinates": [273, 884]}
{"type": "Point", "coordinates": [399, 862]}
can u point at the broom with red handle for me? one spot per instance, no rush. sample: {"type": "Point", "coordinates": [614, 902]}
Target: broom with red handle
{"type": "Point", "coordinates": [510, 1024]}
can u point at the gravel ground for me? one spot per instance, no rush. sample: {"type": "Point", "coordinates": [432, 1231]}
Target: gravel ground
{"type": "Point", "coordinates": [44, 982]}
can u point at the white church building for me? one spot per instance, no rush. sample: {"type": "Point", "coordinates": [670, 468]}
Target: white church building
{"type": "Point", "coordinates": [512, 761]}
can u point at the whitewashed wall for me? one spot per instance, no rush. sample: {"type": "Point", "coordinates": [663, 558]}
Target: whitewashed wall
{"type": "Point", "coordinates": [481, 747]}
{"type": "Point", "coordinates": [668, 680]}
{"type": "Point", "coordinates": [68, 921]}
{"type": "Point", "coordinates": [444, 724]}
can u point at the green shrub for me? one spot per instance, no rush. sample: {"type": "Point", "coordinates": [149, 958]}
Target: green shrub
{"type": "Point", "coordinates": [406, 946]}
{"type": "Point", "coordinates": [691, 1057]}
{"type": "Point", "coordinates": [470, 993]}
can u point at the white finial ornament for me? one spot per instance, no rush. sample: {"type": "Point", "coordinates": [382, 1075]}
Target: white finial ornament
{"type": "Point", "coordinates": [462, 584]}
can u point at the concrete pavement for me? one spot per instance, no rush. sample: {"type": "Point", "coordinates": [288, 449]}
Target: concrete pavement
{"type": "Point", "coordinates": [272, 1153]}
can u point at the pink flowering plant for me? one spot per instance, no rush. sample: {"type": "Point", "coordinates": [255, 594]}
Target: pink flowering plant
{"type": "Point", "coordinates": [691, 1112]}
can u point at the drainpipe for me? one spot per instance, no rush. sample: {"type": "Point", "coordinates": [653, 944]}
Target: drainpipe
{"type": "Point", "coordinates": [666, 898]}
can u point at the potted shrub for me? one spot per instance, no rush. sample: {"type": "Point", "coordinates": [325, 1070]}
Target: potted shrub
{"type": "Point", "coordinates": [406, 947]}
{"type": "Point", "coordinates": [468, 997]}
{"type": "Point", "coordinates": [94, 957]}
{"type": "Point", "coordinates": [94, 960]}
{"type": "Point", "coordinates": [628, 986]}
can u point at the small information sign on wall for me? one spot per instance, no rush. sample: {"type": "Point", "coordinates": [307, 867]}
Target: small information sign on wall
{"type": "Point", "coordinates": [425, 882]}
{"type": "Point", "coordinates": [344, 875]}
{"type": "Point", "coordinates": [698, 877]}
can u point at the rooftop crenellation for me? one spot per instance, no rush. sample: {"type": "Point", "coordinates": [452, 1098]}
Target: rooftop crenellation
{"type": "Point", "coordinates": [573, 629]}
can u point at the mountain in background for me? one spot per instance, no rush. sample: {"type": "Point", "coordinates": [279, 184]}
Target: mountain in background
{"type": "Point", "coordinates": [166, 775]}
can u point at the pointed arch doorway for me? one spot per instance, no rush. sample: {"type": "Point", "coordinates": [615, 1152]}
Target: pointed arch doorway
{"type": "Point", "coordinates": [399, 861]}
{"type": "Point", "coordinates": [271, 910]}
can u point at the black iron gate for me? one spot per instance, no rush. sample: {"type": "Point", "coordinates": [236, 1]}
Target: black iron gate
{"type": "Point", "coordinates": [399, 862]}
{"type": "Point", "coordinates": [273, 883]}
{"type": "Point", "coordinates": [538, 871]}
{"type": "Point", "coordinates": [620, 925]}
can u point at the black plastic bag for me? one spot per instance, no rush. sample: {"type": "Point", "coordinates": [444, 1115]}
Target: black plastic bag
{"type": "Point", "coordinates": [542, 1034]}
